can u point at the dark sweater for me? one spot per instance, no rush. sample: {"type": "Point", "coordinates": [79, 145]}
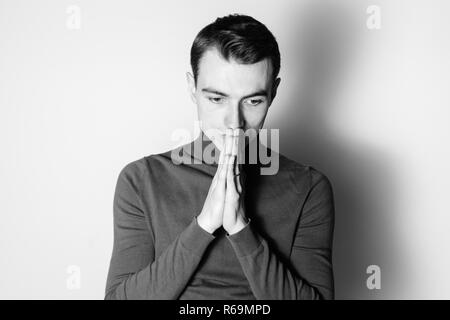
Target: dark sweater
{"type": "Point", "coordinates": [160, 252]}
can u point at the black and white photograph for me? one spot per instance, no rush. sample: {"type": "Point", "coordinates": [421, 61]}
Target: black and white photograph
{"type": "Point", "coordinates": [224, 150]}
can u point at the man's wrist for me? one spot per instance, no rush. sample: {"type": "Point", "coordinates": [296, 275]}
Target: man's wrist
{"type": "Point", "coordinates": [202, 224]}
{"type": "Point", "coordinates": [240, 224]}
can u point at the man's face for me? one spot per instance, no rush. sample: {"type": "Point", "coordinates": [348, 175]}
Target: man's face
{"type": "Point", "coordinates": [231, 95]}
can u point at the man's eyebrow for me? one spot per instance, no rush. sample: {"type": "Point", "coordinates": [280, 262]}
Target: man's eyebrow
{"type": "Point", "coordinates": [209, 90]}
{"type": "Point", "coordinates": [214, 91]}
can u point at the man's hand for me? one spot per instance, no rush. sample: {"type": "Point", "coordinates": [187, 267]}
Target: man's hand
{"type": "Point", "coordinates": [234, 218]}
{"type": "Point", "coordinates": [211, 216]}
{"type": "Point", "coordinates": [224, 205]}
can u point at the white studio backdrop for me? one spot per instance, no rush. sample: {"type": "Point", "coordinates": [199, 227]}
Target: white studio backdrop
{"type": "Point", "coordinates": [89, 86]}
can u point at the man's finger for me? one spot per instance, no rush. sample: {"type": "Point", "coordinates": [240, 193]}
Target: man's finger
{"type": "Point", "coordinates": [224, 171]}
{"type": "Point", "coordinates": [234, 167]}
{"type": "Point", "coordinates": [219, 169]}
{"type": "Point", "coordinates": [238, 179]}
{"type": "Point", "coordinates": [220, 166]}
{"type": "Point", "coordinates": [231, 185]}
{"type": "Point", "coordinates": [235, 141]}
{"type": "Point", "coordinates": [229, 140]}
{"type": "Point", "coordinates": [223, 175]}
{"type": "Point", "coordinates": [238, 173]}
{"type": "Point", "coordinates": [223, 152]}
{"type": "Point", "coordinates": [236, 152]}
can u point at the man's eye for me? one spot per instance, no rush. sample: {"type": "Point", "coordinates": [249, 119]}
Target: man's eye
{"type": "Point", "coordinates": [254, 102]}
{"type": "Point", "coordinates": [215, 99]}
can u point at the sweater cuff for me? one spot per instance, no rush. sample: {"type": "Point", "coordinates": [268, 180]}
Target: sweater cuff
{"type": "Point", "coordinates": [245, 241]}
{"type": "Point", "coordinates": [195, 238]}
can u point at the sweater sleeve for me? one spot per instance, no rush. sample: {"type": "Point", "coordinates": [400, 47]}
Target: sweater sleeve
{"type": "Point", "coordinates": [310, 274]}
{"type": "Point", "coordinates": [135, 272]}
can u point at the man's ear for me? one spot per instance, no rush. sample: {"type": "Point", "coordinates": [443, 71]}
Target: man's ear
{"type": "Point", "coordinates": [275, 88]}
{"type": "Point", "coordinates": [191, 86]}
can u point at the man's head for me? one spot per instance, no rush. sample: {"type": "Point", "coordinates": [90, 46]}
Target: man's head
{"type": "Point", "coordinates": [235, 63]}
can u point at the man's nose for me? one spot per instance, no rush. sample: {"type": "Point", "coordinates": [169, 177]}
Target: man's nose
{"type": "Point", "coordinates": [234, 118]}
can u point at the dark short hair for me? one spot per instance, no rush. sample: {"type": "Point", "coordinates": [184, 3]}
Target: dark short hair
{"type": "Point", "coordinates": [237, 36]}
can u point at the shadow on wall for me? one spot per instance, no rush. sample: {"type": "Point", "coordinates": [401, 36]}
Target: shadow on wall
{"type": "Point", "coordinates": [364, 180]}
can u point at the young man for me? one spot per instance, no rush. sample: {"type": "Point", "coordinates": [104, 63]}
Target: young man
{"type": "Point", "coordinates": [222, 230]}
